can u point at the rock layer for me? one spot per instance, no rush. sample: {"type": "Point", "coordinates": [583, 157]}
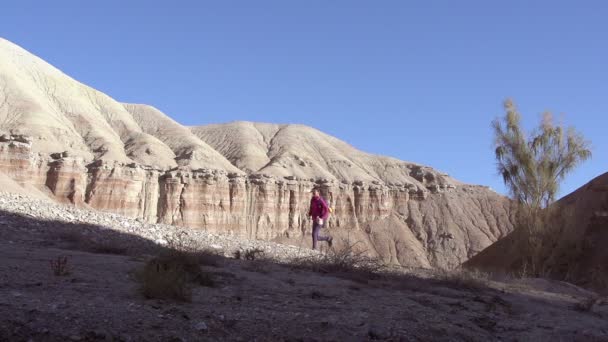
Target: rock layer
{"type": "Point", "coordinates": [412, 227]}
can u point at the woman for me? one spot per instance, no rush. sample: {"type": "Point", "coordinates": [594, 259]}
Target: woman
{"type": "Point", "coordinates": [319, 211]}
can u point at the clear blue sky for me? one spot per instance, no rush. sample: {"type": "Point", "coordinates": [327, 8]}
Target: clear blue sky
{"type": "Point", "coordinates": [417, 80]}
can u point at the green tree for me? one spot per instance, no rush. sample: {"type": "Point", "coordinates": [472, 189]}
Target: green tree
{"type": "Point", "coordinates": [533, 166]}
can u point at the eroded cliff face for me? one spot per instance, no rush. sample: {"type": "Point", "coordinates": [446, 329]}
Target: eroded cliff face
{"type": "Point", "coordinates": [434, 225]}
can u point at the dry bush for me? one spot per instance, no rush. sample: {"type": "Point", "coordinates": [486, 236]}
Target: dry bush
{"type": "Point", "coordinates": [106, 247]}
{"type": "Point", "coordinates": [159, 281]}
{"type": "Point", "coordinates": [255, 253]}
{"type": "Point", "coordinates": [463, 279]}
{"type": "Point", "coordinates": [171, 276]}
{"type": "Point", "coordinates": [191, 263]}
{"type": "Point", "coordinates": [258, 261]}
{"type": "Point", "coordinates": [69, 235]}
{"type": "Point", "coordinates": [346, 262]}
{"type": "Point", "coordinates": [238, 255]}
{"type": "Point", "coordinates": [204, 257]}
{"type": "Point", "coordinates": [249, 254]}
{"type": "Point", "coordinates": [587, 304]}
{"type": "Point", "coordinates": [79, 240]}
{"type": "Point", "coordinates": [59, 266]}
{"type": "Point", "coordinates": [258, 266]}
{"type": "Point", "coordinates": [187, 248]}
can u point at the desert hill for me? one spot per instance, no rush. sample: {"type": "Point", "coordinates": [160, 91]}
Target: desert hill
{"type": "Point", "coordinates": [304, 152]}
{"type": "Point", "coordinates": [77, 145]}
{"type": "Point", "coordinates": [578, 244]}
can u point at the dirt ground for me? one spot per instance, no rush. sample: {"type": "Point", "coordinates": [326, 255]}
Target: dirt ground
{"type": "Point", "coordinates": [259, 301]}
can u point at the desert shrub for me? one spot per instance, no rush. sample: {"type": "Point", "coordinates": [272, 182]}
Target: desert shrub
{"type": "Point", "coordinates": [257, 260]}
{"type": "Point", "coordinates": [347, 262]}
{"type": "Point", "coordinates": [106, 247]}
{"type": "Point", "coordinates": [171, 276]}
{"type": "Point", "coordinates": [204, 257]}
{"type": "Point", "coordinates": [258, 266]}
{"type": "Point", "coordinates": [463, 279]}
{"type": "Point", "coordinates": [587, 304]}
{"type": "Point", "coordinates": [252, 254]}
{"type": "Point", "coordinates": [249, 254]}
{"type": "Point", "coordinates": [59, 266]}
{"type": "Point", "coordinates": [69, 235]}
{"type": "Point", "coordinates": [164, 281]}
{"type": "Point", "coordinates": [238, 254]}
{"type": "Point", "coordinates": [190, 251]}
{"type": "Point", "coordinates": [77, 239]}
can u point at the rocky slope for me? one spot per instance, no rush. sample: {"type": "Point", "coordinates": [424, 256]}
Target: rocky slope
{"type": "Point", "coordinates": [118, 232]}
{"type": "Point", "coordinates": [76, 145]}
{"type": "Point", "coordinates": [97, 299]}
{"type": "Point", "coordinates": [578, 250]}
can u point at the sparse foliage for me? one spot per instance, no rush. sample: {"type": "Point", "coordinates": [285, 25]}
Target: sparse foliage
{"type": "Point", "coordinates": [463, 278]}
{"type": "Point", "coordinates": [258, 261]}
{"type": "Point", "coordinates": [249, 254]}
{"type": "Point", "coordinates": [347, 262]}
{"type": "Point", "coordinates": [184, 246]}
{"type": "Point", "coordinates": [252, 254]}
{"type": "Point", "coordinates": [171, 276]}
{"type": "Point", "coordinates": [238, 255]}
{"type": "Point", "coordinates": [259, 266]}
{"type": "Point", "coordinates": [533, 167]}
{"type": "Point", "coordinates": [164, 281]}
{"type": "Point", "coordinates": [78, 239]}
{"type": "Point", "coordinates": [59, 266]}
{"type": "Point", "coordinates": [108, 247]}
{"type": "Point", "coordinates": [587, 304]}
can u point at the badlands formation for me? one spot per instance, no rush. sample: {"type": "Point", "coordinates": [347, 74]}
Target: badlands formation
{"type": "Point", "coordinates": [63, 140]}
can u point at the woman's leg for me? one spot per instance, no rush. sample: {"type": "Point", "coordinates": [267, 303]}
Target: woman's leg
{"type": "Point", "coordinates": [316, 228]}
{"type": "Point", "coordinates": [319, 237]}
{"type": "Point", "coordinates": [315, 234]}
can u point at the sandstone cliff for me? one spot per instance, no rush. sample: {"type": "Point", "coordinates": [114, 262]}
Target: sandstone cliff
{"type": "Point", "coordinates": [246, 179]}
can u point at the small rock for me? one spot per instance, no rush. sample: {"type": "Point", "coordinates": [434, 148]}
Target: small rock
{"type": "Point", "coordinates": [201, 326]}
{"type": "Point", "coordinates": [125, 337]}
{"type": "Point", "coordinates": [377, 333]}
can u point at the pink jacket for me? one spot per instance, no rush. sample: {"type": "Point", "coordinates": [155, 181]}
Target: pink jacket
{"type": "Point", "coordinates": [318, 208]}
